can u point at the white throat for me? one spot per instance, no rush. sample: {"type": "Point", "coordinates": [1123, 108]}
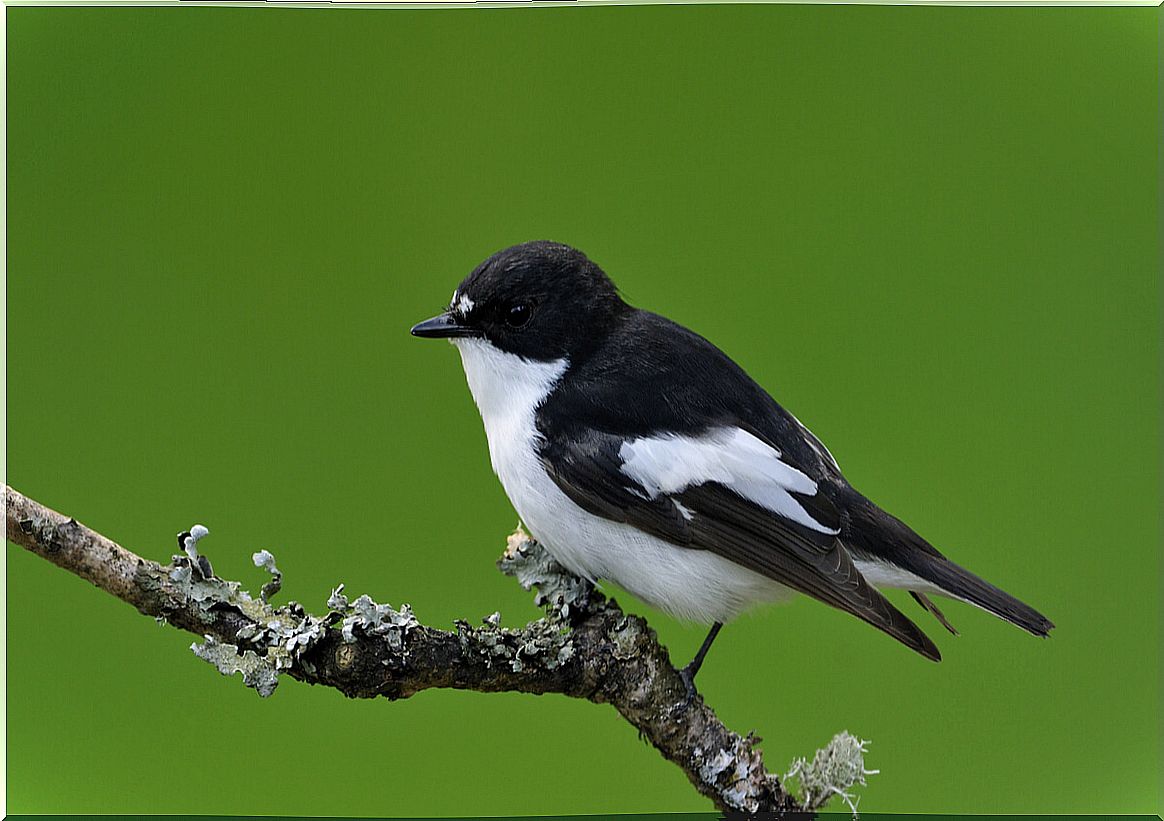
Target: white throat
{"type": "Point", "coordinates": [508, 390]}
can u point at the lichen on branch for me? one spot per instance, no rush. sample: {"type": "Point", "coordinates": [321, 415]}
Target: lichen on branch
{"type": "Point", "coordinates": [585, 646]}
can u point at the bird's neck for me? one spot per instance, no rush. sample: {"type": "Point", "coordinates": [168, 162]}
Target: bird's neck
{"type": "Point", "coordinates": [506, 387]}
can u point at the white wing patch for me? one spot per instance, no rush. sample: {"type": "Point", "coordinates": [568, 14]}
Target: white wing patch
{"type": "Point", "coordinates": [731, 456]}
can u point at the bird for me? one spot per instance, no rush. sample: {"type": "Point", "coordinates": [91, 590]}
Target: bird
{"type": "Point", "coordinates": [636, 451]}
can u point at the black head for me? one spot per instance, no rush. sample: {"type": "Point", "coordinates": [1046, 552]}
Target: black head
{"type": "Point", "coordinates": [540, 300]}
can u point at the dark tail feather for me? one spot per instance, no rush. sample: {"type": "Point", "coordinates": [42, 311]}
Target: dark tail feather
{"type": "Point", "coordinates": [901, 628]}
{"type": "Point", "coordinates": [886, 538]}
{"type": "Point", "coordinates": [924, 601]}
{"type": "Point", "coordinates": [962, 584]}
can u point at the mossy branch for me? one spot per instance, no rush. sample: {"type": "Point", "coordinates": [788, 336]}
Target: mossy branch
{"type": "Point", "coordinates": [585, 647]}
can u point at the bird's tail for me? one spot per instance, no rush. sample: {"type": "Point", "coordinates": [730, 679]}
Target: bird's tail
{"type": "Point", "coordinates": [883, 537]}
{"type": "Point", "coordinates": [960, 583]}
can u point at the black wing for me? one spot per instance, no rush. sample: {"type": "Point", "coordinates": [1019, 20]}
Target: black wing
{"type": "Point", "coordinates": [588, 468]}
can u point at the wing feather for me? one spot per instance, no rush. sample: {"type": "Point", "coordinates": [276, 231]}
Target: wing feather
{"type": "Point", "coordinates": [739, 514]}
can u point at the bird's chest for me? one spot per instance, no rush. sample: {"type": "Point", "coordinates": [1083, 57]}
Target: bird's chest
{"type": "Point", "coordinates": [508, 390]}
{"type": "Point", "coordinates": [513, 452]}
{"type": "Point", "coordinates": [575, 538]}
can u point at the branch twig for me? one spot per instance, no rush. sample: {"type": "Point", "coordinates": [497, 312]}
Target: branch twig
{"type": "Point", "coordinates": [586, 647]}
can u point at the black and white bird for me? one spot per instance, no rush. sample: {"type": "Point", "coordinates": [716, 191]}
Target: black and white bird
{"type": "Point", "coordinates": [636, 451]}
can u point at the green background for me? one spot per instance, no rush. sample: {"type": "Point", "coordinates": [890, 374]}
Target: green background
{"type": "Point", "coordinates": [930, 232]}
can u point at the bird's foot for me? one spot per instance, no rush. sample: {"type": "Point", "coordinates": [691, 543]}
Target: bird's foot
{"type": "Point", "coordinates": [688, 676]}
{"type": "Point", "coordinates": [688, 672]}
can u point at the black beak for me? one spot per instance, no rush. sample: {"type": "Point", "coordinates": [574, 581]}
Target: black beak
{"type": "Point", "coordinates": [445, 325]}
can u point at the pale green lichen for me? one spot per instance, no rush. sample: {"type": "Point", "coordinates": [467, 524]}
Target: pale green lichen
{"type": "Point", "coordinates": [367, 617]}
{"type": "Point", "coordinates": [626, 637]}
{"type": "Point", "coordinates": [188, 542]}
{"type": "Point", "coordinates": [832, 772]}
{"type": "Point", "coordinates": [711, 768]}
{"type": "Point", "coordinates": [737, 772]}
{"type": "Point", "coordinates": [265, 560]}
{"type": "Point", "coordinates": [212, 591]}
{"type": "Point", "coordinates": [280, 638]}
{"type": "Point", "coordinates": [539, 643]}
{"type": "Point", "coordinates": [272, 643]}
{"type": "Point", "coordinates": [557, 588]}
{"type": "Point", "coordinates": [337, 601]}
{"type": "Point", "coordinates": [257, 671]}
{"type": "Point", "coordinates": [191, 539]}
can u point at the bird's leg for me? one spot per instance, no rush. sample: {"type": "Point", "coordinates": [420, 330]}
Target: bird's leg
{"type": "Point", "coordinates": [688, 672]}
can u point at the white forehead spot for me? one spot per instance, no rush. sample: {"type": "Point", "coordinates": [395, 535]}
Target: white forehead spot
{"type": "Point", "coordinates": [464, 304]}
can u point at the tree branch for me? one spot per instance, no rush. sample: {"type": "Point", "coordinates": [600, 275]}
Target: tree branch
{"type": "Point", "coordinates": [586, 647]}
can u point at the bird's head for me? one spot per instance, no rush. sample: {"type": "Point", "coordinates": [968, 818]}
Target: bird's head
{"type": "Point", "coordinates": [539, 300]}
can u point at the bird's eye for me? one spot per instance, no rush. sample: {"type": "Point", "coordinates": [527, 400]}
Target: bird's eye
{"type": "Point", "coordinates": [518, 315]}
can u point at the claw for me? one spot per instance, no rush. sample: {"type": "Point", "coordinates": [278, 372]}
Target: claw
{"type": "Point", "coordinates": [688, 676]}
{"type": "Point", "coordinates": [688, 672]}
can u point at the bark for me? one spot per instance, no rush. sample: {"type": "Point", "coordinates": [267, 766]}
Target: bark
{"type": "Point", "coordinates": [585, 647]}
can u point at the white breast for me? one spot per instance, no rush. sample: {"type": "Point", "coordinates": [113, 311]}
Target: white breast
{"type": "Point", "coordinates": [696, 585]}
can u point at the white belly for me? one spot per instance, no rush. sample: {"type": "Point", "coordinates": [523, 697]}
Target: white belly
{"type": "Point", "coordinates": [690, 584]}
